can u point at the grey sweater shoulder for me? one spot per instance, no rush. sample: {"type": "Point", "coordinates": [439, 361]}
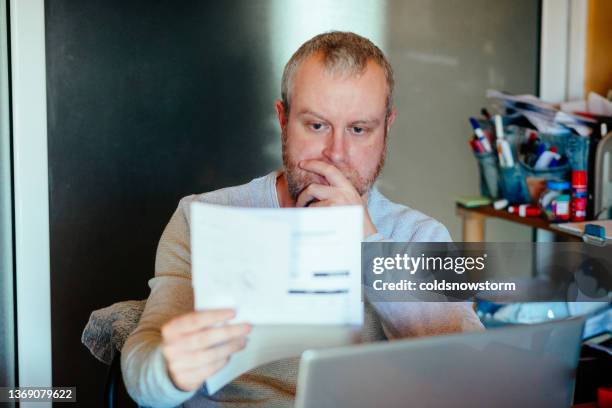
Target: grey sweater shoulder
{"type": "Point", "coordinates": [394, 221]}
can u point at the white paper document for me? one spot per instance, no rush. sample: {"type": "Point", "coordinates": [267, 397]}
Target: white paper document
{"type": "Point", "coordinates": [295, 274]}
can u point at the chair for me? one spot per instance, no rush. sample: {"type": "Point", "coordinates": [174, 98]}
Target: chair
{"type": "Point", "coordinates": [104, 336]}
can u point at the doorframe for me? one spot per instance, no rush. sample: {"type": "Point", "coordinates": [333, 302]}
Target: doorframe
{"type": "Point", "coordinates": [31, 194]}
{"type": "Point", "coordinates": [7, 271]}
{"type": "Point", "coordinates": [563, 49]}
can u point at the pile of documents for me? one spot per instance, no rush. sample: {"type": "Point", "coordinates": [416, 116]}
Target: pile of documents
{"type": "Point", "coordinates": [546, 118]}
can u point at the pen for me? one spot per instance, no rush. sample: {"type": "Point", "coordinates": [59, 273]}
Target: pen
{"type": "Point", "coordinates": [476, 146]}
{"type": "Point", "coordinates": [545, 159]}
{"type": "Point", "coordinates": [525, 210]}
{"type": "Point", "coordinates": [503, 147]}
{"type": "Point", "coordinates": [480, 135]}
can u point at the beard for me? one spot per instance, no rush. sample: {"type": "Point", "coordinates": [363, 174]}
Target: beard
{"type": "Point", "coordinates": [298, 179]}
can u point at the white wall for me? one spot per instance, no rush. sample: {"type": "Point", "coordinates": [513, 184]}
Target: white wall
{"type": "Point", "coordinates": [446, 54]}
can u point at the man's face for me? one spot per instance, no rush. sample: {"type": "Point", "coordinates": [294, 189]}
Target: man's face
{"type": "Point", "coordinates": [337, 119]}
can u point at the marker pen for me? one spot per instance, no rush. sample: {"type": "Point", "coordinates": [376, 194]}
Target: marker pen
{"type": "Point", "coordinates": [503, 147]}
{"type": "Point", "coordinates": [525, 210]}
{"type": "Point", "coordinates": [480, 135]}
{"type": "Point", "coordinates": [476, 146]}
{"type": "Point", "coordinates": [546, 159]}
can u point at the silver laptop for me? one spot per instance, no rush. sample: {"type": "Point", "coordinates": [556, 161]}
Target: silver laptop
{"type": "Point", "coordinates": [518, 366]}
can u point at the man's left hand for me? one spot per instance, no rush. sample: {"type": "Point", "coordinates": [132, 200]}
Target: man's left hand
{"type": "Point", "coordinates": [339, 192]}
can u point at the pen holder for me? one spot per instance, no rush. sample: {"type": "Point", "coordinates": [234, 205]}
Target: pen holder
{"type": "Point", "coordinates": [489, 174]}
{"type": "Point", "coordinates": [523, 183]}
{"type": "Point", "coordinates": [571, 145]}
{"type": "Point", "coordinates": [513, 185]}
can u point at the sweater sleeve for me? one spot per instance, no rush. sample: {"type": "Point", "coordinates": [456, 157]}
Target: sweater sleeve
{"type": "Point", "coordinates": [144, 368]}
{"type": "Point", "coordinates": [414, 319]}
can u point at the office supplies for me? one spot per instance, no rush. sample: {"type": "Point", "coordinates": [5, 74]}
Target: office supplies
{"type": "Point", "coordinates": [594, 234]}
{"type": "Point", "coordinates": [545, 117]}
{"type": "Point", "coordinates": [500, 155]}
{"type": "Point", "coordinates": [525, 210]}
{"type": "Point", "coordinates": [474, 222]}
{"type": "Point", "coordinates": [294, 273]}
{"type": "Point", "coordinates": [480, 135]}
{"type": "Point", "coordinates": [598, 110]}
{"type": "Point", "coordinates": [518, 366]}
{"type": "Point", "coordinates": [473, 201]}
{"type": "Point", "coordinates": [578, 228]}
{"type": "Point", "coordinates": [545, 159]}
{"type": "Point", "coordinates": [500, 204]}
{"type": "Point", "coordinates": [555, 200]}
{"type": "Point", "coordinates": [503, 147]}
{"type": "Point", "coordinates": [580, 124]}
{"type": "Point", "coordinates": [476, 146]}
{"type": "Point", "coordinates": [579, 195]}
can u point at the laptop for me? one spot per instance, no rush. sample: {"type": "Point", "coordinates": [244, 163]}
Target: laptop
{"type": "Point", "coordinates": [516, 366]}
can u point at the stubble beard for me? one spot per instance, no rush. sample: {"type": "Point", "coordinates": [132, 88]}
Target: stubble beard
{"type": "Point", "coordinates": [298, 179]}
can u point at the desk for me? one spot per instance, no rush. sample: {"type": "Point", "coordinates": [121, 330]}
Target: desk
{"type": "Point", "coordinates": [474, 222]}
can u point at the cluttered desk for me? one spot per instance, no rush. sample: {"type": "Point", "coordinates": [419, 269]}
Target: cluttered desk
{"type": "Point", "coordinates": [548, 167]}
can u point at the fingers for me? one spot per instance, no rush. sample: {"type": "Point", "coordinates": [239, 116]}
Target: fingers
{"type": "Point", "coordinates": [189, 374]}
{"type": "Point", "coordinates": [204, 357]}
{"type": "Point", "coordinates": [209, 337]}
{"type": "Point", "coordinates": [333, 175]}
{"type": "Point", "coordinates": [195, 346]}
{"type": "Point", "coordinates": [314, 192]}
{"type": "Point", "coordinates": [194, 321]}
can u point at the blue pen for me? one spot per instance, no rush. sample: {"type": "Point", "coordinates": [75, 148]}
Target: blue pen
{"type": "Point", "coordinates": [480, 135]}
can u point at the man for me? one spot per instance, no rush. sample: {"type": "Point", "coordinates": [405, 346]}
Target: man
{"type": "Point", "coordinates": [335, 114]}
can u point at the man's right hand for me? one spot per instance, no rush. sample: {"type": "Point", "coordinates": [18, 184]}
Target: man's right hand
{"type": "Point", "coordinates": [198, 344]}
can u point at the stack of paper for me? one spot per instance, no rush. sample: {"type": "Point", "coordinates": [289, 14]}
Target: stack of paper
{"type": "Point", "coordinates": [544, 116]}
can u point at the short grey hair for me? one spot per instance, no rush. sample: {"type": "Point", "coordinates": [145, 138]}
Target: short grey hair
{"type": "Point", "coordinates": [343, 53]}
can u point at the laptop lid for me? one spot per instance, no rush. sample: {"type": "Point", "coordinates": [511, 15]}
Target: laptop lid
{"type": "Point", "coordinates": [528, 365]}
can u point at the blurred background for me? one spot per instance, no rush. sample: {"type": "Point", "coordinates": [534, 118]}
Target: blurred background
{"type": "Point", "coordinates": [149, 101]}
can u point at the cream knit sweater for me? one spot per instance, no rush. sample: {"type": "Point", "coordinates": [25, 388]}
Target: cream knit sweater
{"type": "Point", "coordinates": [272, 385]}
